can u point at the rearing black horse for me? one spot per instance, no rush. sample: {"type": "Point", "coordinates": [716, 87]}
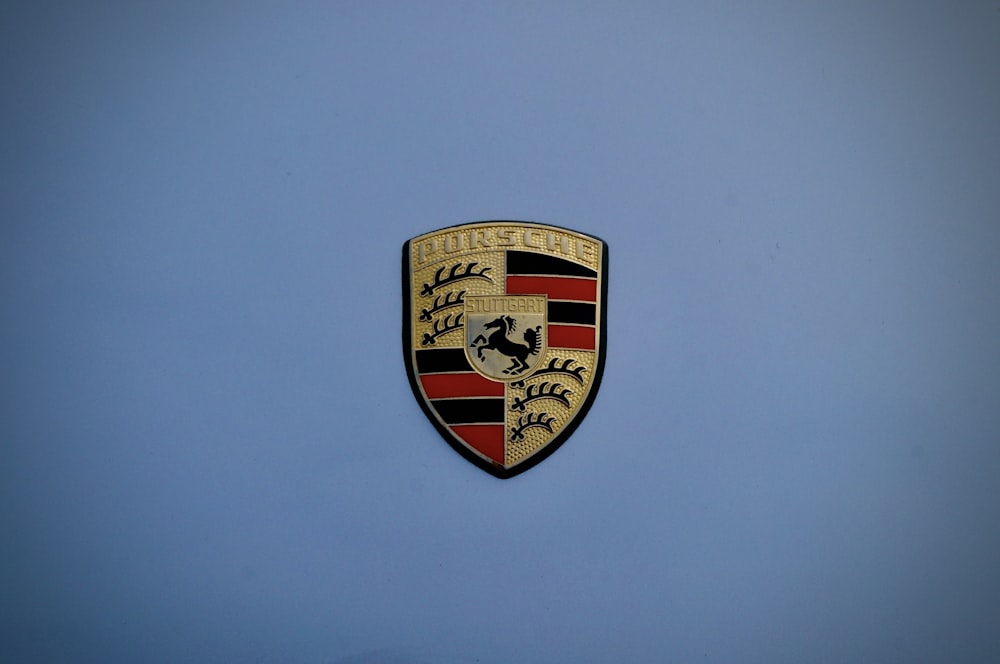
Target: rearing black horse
{"type": "Point", "coordinates": [499, 342]}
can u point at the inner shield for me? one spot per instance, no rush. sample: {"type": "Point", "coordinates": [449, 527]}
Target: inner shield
{"type": "Point", "coordinates": [505, 335]}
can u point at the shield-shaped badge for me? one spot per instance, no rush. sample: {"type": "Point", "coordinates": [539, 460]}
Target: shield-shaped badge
{"type": "Point", "coordinates": [504, 336]}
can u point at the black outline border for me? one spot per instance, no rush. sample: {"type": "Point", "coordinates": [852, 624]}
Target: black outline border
{"type": "Point", "coordinates": [498, 470]}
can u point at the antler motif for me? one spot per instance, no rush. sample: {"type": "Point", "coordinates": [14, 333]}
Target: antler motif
{"type": "Point", "coordinates": [536, 392]}
{"type": "Point", "coordinates": [430, 338]}
{"type": "Point", "coordinates": [531, 420]}
{"type": "Point", "coordinates": [427, 314]}
{"type": "Point", "coordinates": [454, 275]}
{"type": "Point", "coordinates": [553, 368]}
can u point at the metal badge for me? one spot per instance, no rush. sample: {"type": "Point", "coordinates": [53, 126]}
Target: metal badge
{"type": "Point", "coordinates": [504, 336]}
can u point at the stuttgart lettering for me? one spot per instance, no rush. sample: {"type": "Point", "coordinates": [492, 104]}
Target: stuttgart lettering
{"type": "Point", "coordinates": [486, 304]}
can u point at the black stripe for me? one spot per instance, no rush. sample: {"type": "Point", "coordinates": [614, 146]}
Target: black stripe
{"type": "Point", "coordinates": [528, 262]}
{"type": "Point", "coordinates": [470, 411]}
{"type": "Point", "coordinates": [439, 360]}
{"type": "Point", "coordinates": [583, 313]}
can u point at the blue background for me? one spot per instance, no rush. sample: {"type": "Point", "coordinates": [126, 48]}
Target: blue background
{"type": "Point", "coordinates": [208, 447]}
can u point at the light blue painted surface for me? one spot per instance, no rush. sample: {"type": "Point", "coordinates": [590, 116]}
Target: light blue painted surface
{"type": "Point", "coordinates": [208, 448]}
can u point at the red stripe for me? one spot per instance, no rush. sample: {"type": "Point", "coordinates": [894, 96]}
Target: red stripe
{"type": "Point", "coordinates": [486, 438]}
{"type": "Point", "coordinates": [557, 288]}
{"type": "Point", "coordinates": [443, 386]}
{"type": "Point", "coordinates": [572, 336]}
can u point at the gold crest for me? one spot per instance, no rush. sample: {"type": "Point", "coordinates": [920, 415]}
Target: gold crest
{"type": "Point", "coordinates": [504, 336]}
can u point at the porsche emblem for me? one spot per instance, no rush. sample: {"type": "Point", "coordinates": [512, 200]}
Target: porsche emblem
{"type": "Point", "coordinates": [504, 336]}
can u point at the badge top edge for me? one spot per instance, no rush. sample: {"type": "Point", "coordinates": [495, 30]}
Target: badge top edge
{"type": "Point", "coordinates": [507, 222]}
{"type": "Point", "coordinates": [428, 249]}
